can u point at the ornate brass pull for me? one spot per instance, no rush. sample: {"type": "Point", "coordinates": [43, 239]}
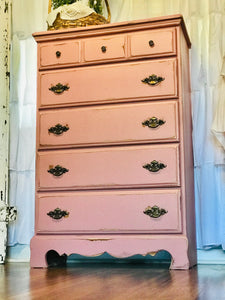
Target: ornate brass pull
{"type": "Point", "coordinates": [59, 88]}
{"type": "Point", "coordinates": [153, 122]}
{"type": "Point", "coordinates": [155, 211]}
{"type": "Point", "coordinates": [153, 79]}
{"type": "Point", "coordinates": [58, 54]}
{"type": "Point", "coordinates": [58, 129]}
{"type": "Point", "coordinates": [151, 43]}
{"type": "Point", "coordinates": [103, 48]}
{"type": "Point", "coordinates": [58, 214]}
{"type": "Point", "coordinates": [58, 171]}
{"type": "Point", "coordinates": [154, 166]}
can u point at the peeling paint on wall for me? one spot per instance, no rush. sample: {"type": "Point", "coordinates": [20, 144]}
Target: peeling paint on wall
{"type": "Point", "coordinates": [5, 17]}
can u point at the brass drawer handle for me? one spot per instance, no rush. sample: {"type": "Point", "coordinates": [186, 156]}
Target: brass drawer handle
{"type": "Point", "coordinates": [57, 170]}
{"type": "Point", "coordinates": [103, 48]}
{"type": "Point", "coordinates": [154, 166]}
{"type": "Point", "coordinates": [58, 214]}
{"type": "Point", "coordinates": [153, 79]}
{"type": "Point", "coordinates": [59, 88]}
{"type": "Point", "coordinates": [58, 129]}
{"type": "Point", "coordinates": [58, 54]}
{"type": "Point", "coordinates": [151, 43]}
{"type": "Point", "coordinates": [155, 211]}
{"type": "Point", "coordinates": [153, 122]}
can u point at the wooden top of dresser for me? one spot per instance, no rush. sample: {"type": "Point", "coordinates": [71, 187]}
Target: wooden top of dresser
{"type": "Point", "coordinates": [112, 28]}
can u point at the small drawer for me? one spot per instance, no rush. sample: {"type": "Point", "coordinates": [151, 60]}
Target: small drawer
{"type": "Point", "coordinates": [153, 43]}
{"type": "Point", "coordinates": [133, 211]}
{"type": "Point", "coordinates": [146, 80]}
{"type": "Point", "coordinates": [111, 167]}
{"type": "Point", "coordinates": [56, 54]}
{"type": "Point", "coordinates": [111, 124]}
{"type": "Point", "coordinates": [110, 47]}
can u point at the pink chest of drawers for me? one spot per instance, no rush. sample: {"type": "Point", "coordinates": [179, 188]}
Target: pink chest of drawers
{"type": "Point", "coordinates": [114, 170]}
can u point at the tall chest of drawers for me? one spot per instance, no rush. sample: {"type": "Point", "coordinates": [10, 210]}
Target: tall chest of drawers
{"type": "Point", "coordinates": [114, 166]}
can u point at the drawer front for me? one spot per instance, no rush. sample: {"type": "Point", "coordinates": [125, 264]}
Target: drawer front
{"type": "Point", "coordinates": [114, 212]}
{"type": "Point", "coordinates": [108, 83]}
{"type": "Point", "coordinates": [56, 54]}
{"type": "Point", "coordinates": [109, 47]}
{"type": "Point", "coordinates": [113, 124]}
{"type": "Point", "coordinates": [115, 167]}
{"type": "Point", "coordinates": [153, 43]}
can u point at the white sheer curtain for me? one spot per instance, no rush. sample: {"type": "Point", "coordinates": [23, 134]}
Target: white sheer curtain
{"type": "Point", "coordinates": [205, 20]}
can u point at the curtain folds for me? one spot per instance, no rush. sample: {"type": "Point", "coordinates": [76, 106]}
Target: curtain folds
{"type": "Point", "coordinates": [205, 20]}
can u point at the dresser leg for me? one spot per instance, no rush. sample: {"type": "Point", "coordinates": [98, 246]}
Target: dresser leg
{"type": "Point", "coordinates": [38, 254]}
{"type": "Point", "coordinates": [179, 256]}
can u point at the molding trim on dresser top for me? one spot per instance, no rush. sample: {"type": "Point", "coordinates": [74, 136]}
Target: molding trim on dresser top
{"type": "Point", "coordinates": [114, 168]}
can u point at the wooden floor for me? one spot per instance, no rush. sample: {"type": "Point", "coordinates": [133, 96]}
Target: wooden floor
{"type": "Point", "coordinates": [112, 281]}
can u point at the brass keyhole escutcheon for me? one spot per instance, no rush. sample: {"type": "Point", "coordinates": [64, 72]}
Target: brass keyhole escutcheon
{"type": "Point", "coordinates": [154, 211]}
{"type": "Point", "coordinates": [57, 170]}
{"type": "Point", "coordinates": [153, 80]}
{"type": "Point", "coordinates": [58, 129]}
{"type": "Point", "coordinates": [154, 166]}
{"type": "Point", "coordinates": [59, 88]}
{"type": "Point", "coordinates": [58, 214]}
{"type": "Point", "coordinates": [153, 122]}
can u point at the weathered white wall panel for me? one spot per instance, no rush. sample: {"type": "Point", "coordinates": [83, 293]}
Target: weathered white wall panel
{"type": "Point", "coordinates": [4, 94]}
{"type": "Point", "coordinates": [5, 22]}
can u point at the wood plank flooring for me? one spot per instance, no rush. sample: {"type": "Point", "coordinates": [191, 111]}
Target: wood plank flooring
{"type": "Point", "coordinates": [112, 281]}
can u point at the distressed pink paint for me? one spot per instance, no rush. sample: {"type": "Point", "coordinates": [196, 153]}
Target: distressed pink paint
{"type": "Point", "coordinates": [117, 211]}
{"type": "Point", "coordinates": [116, 245]}
{"type": "Point", "coordinates": [106, 189]}
{"type": "Point", "coordinates": [109, 83]}
{"type": "Point", "coordinates": [164, 42]}
{"type": "Point", "coordinates": [109, 167]}
{"type": "Point", "coordinates": [110, 124]}
{"type": "Point", "coordinates": [105, 48]}
{"type": "Point", "coordinates": [68, 52]}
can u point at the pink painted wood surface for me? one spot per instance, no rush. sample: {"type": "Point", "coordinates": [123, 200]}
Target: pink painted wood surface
{"type": "Point", "coordinates": [115, 48]}
{"type": "Point", "coordinates": [161, 48]}
{"type": "Point", "coordinates": [116, 245]}
{"type": "Point", "coordinates": [109, 83]}
{"type": "Point", "coordinates": [110, 212]}
{"type": "Point", "coordinates": [114, 124]}
{"type": "Point", "coordinates": [187, 161]}
{"type": "Point", "coordinates": [164, 42]}
{"type": "Point", "coordinates": [109, 167]}
{"type": "Point", "coordinates": [118, 168]}
{"type": "Point", "coordinates": [70, 53]}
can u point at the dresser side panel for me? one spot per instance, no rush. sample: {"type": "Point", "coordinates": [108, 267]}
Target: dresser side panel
{"type": "Point", "coordinates": [187, 164]}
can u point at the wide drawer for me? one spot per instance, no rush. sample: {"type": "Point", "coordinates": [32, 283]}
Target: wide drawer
{"type": "Point", "coordinates": [115, 167]}
{"type": "Point", "coordinates": [110, 211]}
{"type": "Point", "coordinates": [153, 42]}
{"type": "Point", "coordinates": [104, 48]}
{"type": "Point", "coordinates": [59, 53]}
{"type": "Point", "coordinates": [108, 83]}
{"type": "Point", "coordinates": [114, 124]}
